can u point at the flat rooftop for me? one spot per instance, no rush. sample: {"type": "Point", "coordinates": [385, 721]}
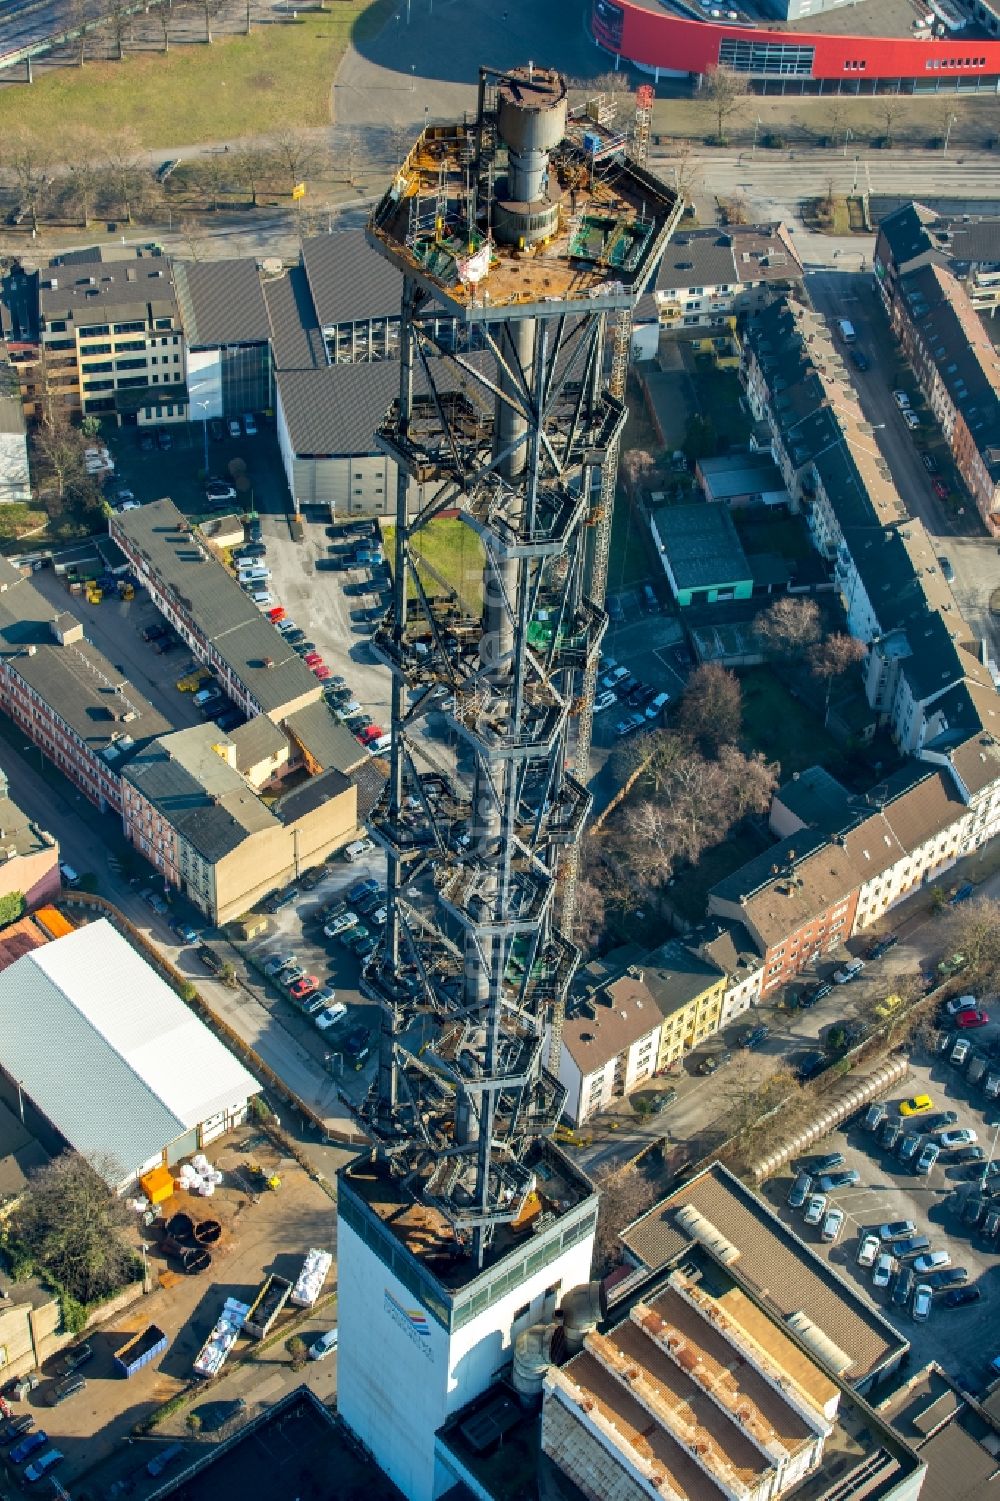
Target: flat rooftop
{"type": "Point", "coordinates": [298, 1450]}
{"type": "Point", "coordinates": [780, 1268]}
{"type": "Point", "coordinates": [429, 1237]}
{"type": "Point", "coordinates": [609, 231]}
{"type": "Point", "coordinates": [861, 18]}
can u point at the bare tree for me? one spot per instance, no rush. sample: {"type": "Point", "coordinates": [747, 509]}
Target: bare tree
{"type": "Point", "coordinates": [71, 1223]}
{"type": "Point", "coordinates": [725, 92]}
{"type": "Point", "coordinates": [164, 15]}
{"type": "Point", "coordinates": [216, 172]}
{"type": "Point", "coordinates": [58, 445]}
{"type": "Point", "coordinates": [249, 165]}
{"type": "Point", "coordinates": [637, 464]}
{"type": "Point", "coordinates": [29, 162]}
{"type": "Point", "coordinates": [624, 1195]}
{"type": "Point", "coordinates": [83, 171]}
{"type": "Point", "coordinates": [973, 929]}
{"type": "Point", "coordinates": [79, 20]}
{"type": "Point", "coordinates": [129, 176]}
{"type": "Point", "coordinates": [790, 625]}
{"type": "Point", "coordinates": [295, 154]}
{"type": "Point", "coordinates": [831, 657]}
{"type": "Point", "coordinates": [589, 917]}
{"type": "Point", "coordinates": [210, 9]}
{"type": "Point", "coordinates": [686, 170]}
{"type": "Point", "coordinates": [117, 23]}
{"type": "Point", "coordinates": [711, 711]}
{"type": "Point", "coordinates": [888, 110]}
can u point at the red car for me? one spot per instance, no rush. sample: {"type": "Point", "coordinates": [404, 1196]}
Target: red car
{"type": "Point", "coordinates": [303, 987]}
{"type": "Point", "coordinates": [940, 489]}
{"type": "Point", "coordinates": [313, 659]}
{"type": "Point", "coordinates": [966, 1019]}
{"type": "Point", "coordinates": [278, 613]}
{"type": "Point", "coordinates": [371, 732]}
{"type": "Point", "coordinates": [322, 672]}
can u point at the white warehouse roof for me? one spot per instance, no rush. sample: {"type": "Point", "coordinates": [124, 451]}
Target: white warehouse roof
{"type": "Point", "coordinates": [107, 1051]}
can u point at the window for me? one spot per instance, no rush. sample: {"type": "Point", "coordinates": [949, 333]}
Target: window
{"type": "Point", "coordinates": [98, 385]}
{"type": "Point", "coordinates": [56, 325]}
{"type": "Point", "coordinates": [132, 364]}
{"type": "Point", "coordinates": [161, 323]}
{"type": "Point", "coordinates": [131, 380]}
{"type": "Point", "coordinates": [71, 344]}
{"type": "Point", "coordinates": [135, 327]}
{"type": "Point", "coordinates": [94, 330]}
{"type": "Point", "coordinates": [131, 344]}
{"type": "Point", "coordinates": [770, 58]}
{"type": "Point", "coordinates": [96, 367]}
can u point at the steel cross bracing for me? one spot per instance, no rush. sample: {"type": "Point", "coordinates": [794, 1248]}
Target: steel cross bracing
{"type": "Point", "coordinates": [509, 436]}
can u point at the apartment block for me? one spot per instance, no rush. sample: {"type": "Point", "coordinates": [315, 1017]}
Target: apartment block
{"type": "Point", "coordinates": [913, 236]}
{"type": "Point", "coordinates": [609, 1045]}
{"type": "Point", "coordinates": [797, 901]}
{"type": "Point", "coordinates": [205, 604]}
{"type": "Point", "coordinates": [225, 843]}
{"type": "Point", "coordinates": [958, 369]}
{"type": "Point", "coordinates": [110, 335]}
{"type": "Point", "coordinates": [65, 696]}
{"type": "Point", "coordinates": [707, 277]}
{"type": "Point", "coordinates": [729, 947]}
{"type": "Point", "coordinates": [689, 992]}
{"type": "Point", "coordinates": [29, 855]}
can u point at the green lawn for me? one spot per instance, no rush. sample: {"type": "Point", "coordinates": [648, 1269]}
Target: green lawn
{"type": "Point", "coordinates": [451, 556]}
{"type": "Point", "coordinates": [280, 75]}
{"type": "Point", "coordinates": [628, 556]}
{"type": "Point", "coordinates": [782, 726]}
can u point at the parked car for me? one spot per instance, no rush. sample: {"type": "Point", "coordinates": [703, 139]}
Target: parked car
{"type": "Point", "coordinates": [28, 1446]}
{"type": "Point", "coordinates": [874, 1116]}
{"type": "Point", "coordinates": [922, 1300]}
{"type": "Point", "coordinates": [834, 1182]}
{"type": "Point", "coordinates": [882, 945]}
{"type": "Point", "coordinates": [848, 972]}
{"type": "Point", "coordinates": [897, 1230]}
{"type": "Point", "coordinates": [75, 1358]}
{"type": "Point", "coordinates": [960, 1052]}
{"type": "Point", "coordinates": [219, 489]}
{"type": "Point", "coordinates": [16, 1427]}
{"type": "Point", "coordinates": [883, 1269]}
{"type": "Point", "coordinates": [833, 1223]}
{"type": "Point", "coordinates": [961, 1136]}
{"type": "Point", "coordinates": [940, 1120]}
{"type": "Point", "coordinates": [754, 1036]}
{"type": "Point", "coordinates": [810, 1064]}
{"type": "Point", "coordinates": [330, 1016]}
{"type": "Point", "coordinates": [828, 1163]}
{"type": "Point", "coordinates": [890, 1134]}
{"type": "Point", "coordinates": [323, 1346]}
{"type": "Point", "coordinates": [940, 489]}
{"type": "Point", "coordinates": [249, 425]}
{"type": "Point", "coordinates": [966, 891]}
{"type": "Point", "coordinates": [950, 1276]}
{"type": "Point", "coordinates": [799, 1191]}
{"type": "Point", "coordinates": [901, 399]}
{"type": "Point", "coordinates": [818, 992]}
{"type": "Point", "coordinates": [901, 1287]}
{"type": "Point", "coordinates": [302, 987]}
{"type": "Point", "coordinates": [43, 1465]}
{"type": "Point", "coordinates": [868, 1250]}
{"type": "Point", "coordinates": [931, 1261]}
{"type": "Point", "coordinates": [965, 1020]}
{"type": "Point", "coordinates": [929, 1155]}
{"type": "Point", "coordinates": [815, 1209]}
{"type": "Point", "coordinates": [947, 571]}
{"type": "Point", "coordinates": [912, 1246]}
{"type": "Point", "coordinates": [908, 1148]}
{"type": "Point", "coordinates": [959, 1003]}
{"type": "Point", "coordinates": [911, 419]}
{"type": "Point", "coordinates": [960, 1297]}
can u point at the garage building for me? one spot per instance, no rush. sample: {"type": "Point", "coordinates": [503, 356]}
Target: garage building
{"type": "Point", "coordinates": [112, 1061]}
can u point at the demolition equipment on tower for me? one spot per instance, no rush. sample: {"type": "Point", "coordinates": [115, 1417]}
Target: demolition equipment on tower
{"type": "Point", "coordinates": [524, 236]}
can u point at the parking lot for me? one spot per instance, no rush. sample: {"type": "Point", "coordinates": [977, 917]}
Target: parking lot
{"type": "Point", "coordinates": [252, 464]}
{"type": "Point", "coordinates": [269, 1232]}
{"type": "Point", "coordinates": [297, 930]}
{"type": "Point", "coordinates": [964, 1339]}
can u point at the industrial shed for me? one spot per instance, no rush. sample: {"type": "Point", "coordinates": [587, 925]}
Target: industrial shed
{"type": "Point", "coordinates": [110, 1058]}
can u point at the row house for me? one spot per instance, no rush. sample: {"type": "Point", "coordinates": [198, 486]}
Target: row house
{"type": "Point", "coordinates": [707, 277]}
{"type": "Point", "coordinates": [730, 948]}
{"type": "Point", "coordinates": [689, 992]}
{"type": "Point", "coordinates": [65, 696]}
{"type": "Point", "coordinates": [914, 236]}
{"type": "Point", "coordinates": [610, 1045]}
{"type": "Point", "coordinates": [797, 901]}
{"type": "Point", "coordinates": [959, 373]}
{"type": "Point", "coordinates": [902, 834]}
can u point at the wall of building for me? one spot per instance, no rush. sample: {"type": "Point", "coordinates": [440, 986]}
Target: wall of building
{"type": "Point", "coordinates": [685, 1028]}
{"type": "Point", "coordinates": [276, 856]}
{"type": "Point", "coordinates": [58, 742]}
{"type": "Point", "coordinates": [36, 876]}
{"type": "Point", "coordinates": [400, 1374]}
{"type": "Point", "coordinates": [668, 44]}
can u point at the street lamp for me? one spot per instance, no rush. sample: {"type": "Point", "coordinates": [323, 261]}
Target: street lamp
{"type": "Point", "coordinates": [947, 134]}
{"type": "Point", "coordinates": [848, 136]}
{"type": "Point", "coordinates": [204, 425]}
{"type": "Point", "coordinates": [756, 127]}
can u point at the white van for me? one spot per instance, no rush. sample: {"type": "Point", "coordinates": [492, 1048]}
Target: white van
{"type": "Point", "coordinates": [359, 849]}
{"type": "Point", "coordinates": [846, 330]}
{"type": "Point", "coordinates": [381, 744]}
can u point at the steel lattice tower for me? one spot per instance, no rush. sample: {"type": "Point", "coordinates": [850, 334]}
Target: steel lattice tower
{"type": "Point", "coordinates": [518, 234]}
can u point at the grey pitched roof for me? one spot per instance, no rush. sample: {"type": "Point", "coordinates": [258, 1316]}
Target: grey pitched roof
{"type": "Point", "coordinates": [977, 243]}
{"type": "Point", "coordinates": [334, 412]}
{"type": "Point", "coordinates": [256, 741]}
{"type": "Point", "coordinates": [905, 231]}
{"type": "Point", "coordinates": [296, 337]}
{"type": "Point", "coordinates": [694, 258]}
{"type": "Point", "coordinates": [307, 796]}
{"type": "Point", "coordinates": [80, 685]}
{"type": "Point", "coordinates": [369, 778]}
{"type": "Point", "coordinates": [198, 793]}
{"type": "Point", "coordinates": [113, 1058]}
{"type": "Point", "coordinates": [252, 649]}
{"type": "Point", "coordinates": [221, 302]}
{"type": "Point", "coordinates": [327, 741]}
{"type": "Point", "coordinates": [349, 280]}
{"type": "Point", "coordinates": [11, 410]}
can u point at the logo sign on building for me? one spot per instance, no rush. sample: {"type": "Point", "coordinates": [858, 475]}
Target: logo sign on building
{"type": "Point", "coordinates": [413, 1322]}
